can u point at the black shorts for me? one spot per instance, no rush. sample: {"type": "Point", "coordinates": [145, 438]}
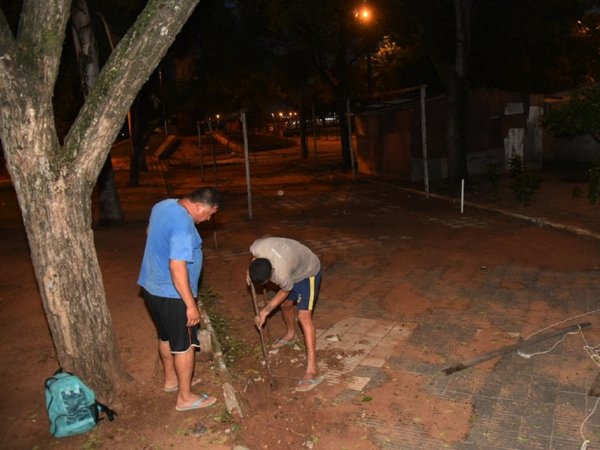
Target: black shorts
{"type": "Point", "coordinates": [170, 317]}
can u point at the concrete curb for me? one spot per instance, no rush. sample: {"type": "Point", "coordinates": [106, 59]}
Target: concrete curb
{"type": "Point", "coordinates": [536, 220]}
{"type": "Point", "coordinates": [221, 138]}
{"type": "Point", "coordinates": [167, 147]}
{"type": "Point", "coordinates": [229, 395]}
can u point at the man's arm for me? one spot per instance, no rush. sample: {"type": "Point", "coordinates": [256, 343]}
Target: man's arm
{"type": "Point", "coordinates": [179, 275]}
{"type": "Point", "coordinates": [274, 303]}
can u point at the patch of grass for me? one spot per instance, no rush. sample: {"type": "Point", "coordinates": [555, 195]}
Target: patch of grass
{"type": "Point", "coordinates": [231, 347]}
{"type": "Point", "coordinates": [226, 418]}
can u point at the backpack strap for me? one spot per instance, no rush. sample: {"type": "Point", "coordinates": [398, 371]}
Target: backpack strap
{"type": "Point", "coordinates": [110, 413]}
{"type": "Point", "coordinates": [61, 370]}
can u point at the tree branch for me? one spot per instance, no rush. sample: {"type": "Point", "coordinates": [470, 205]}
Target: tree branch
{"type": "Point", "coordinates": [8, 50]}
{"type": "Point", "coordinates": [40, 38]}
{"type": "Point", "coordinates": [88, 142]}
{"type": "Point", "coordinates": [7, 40]}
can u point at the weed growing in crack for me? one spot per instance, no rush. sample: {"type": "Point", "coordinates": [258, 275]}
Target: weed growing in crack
{"type": "Point", "coordinates": [231, 347]}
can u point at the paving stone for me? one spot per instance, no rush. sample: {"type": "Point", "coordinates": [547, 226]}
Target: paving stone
{"type": "Point", "coordinates": [567, 420]}
{"type": "Point", "coordinates": [516, 390]}
{"type": "Point", "coordinates": [537, 421]}
{"type": "Point", "coordinates": [459, 382]}
{"type": "Point", "coordinates": [561, 443]}
{"type": "Point", "coordinates": [355, 383]}
{"type": "Point", "coordinates": [373, 362]}
{"type": "Point", "coordinates": [542, 395]}
{"type": "Point", "coordinates": [347, 395]}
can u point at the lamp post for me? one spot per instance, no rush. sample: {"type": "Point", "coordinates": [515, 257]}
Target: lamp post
{"type": "Point", "coordinates": [364, 15]}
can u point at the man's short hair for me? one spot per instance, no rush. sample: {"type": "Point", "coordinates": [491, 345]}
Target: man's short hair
{"type": "Point", "coordinates": [260, 270]}
{"type": "Point", "coordinates": [209, 196]}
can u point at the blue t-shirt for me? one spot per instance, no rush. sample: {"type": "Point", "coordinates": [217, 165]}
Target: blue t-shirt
{"type": "Point", "coordinates": [172, 234]}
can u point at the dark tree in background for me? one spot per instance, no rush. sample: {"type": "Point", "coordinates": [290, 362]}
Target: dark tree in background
{"type": "Point", "coordinates": [527, 46]}
{"type": "Point", "coordinates": [329, 39]}
{"type": "Point", "coordinates": [220, 64]}
{"type": "Point", "coordinates": [86, 49]}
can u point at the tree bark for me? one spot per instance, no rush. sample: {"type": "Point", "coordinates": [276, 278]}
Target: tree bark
{"type": "Point", "coordinates": [54, 183]}
{"type": "Point", "coordinates": [89, 64]}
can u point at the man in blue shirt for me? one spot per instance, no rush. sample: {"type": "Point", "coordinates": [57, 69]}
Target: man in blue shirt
{"type": "Point", "coordinates": [169, 279]}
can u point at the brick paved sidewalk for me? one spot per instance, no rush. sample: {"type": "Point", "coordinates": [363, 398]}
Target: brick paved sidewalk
{"type": "Point", "coordinates": [518, 403]}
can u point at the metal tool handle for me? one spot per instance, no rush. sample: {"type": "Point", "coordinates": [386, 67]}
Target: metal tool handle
{"type": "Point", "coordinates": [254, 298]}
{"type": "Point", "coordinates": [260, 333]}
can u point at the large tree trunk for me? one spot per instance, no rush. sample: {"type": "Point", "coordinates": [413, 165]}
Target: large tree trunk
{"type": "Point", "coordinates": [55, 206]}
{"type": "Point", "coordinates": [54, 183]}
{"type": "Point", "coordinates": [69, 278]}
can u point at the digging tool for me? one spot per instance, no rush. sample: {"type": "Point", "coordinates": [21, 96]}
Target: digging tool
{"type": "Point", "coordinates": [504, 350]}
{"type": "Point", "coordinates": [260, 333]}
{"type": "Point", "coordinates": [265, 302]}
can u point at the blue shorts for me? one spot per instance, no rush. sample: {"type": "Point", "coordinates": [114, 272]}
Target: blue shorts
{"type": "Point", "coordinates": [170, 318]}
{"type": "Point", "coordinates": [305, 292]}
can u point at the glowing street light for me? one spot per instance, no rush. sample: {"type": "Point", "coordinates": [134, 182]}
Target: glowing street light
{"type": "Point", "coordinates": [363, 13]}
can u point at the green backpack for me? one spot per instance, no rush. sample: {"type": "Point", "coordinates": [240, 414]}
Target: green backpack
{"type": "Point", "coordinates": [72, 406]}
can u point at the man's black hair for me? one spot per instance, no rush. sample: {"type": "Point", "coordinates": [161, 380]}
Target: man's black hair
{"type": "Point", "coordinates": [207, 195]}
{"type": "Point", "coordinates": [260, 270]}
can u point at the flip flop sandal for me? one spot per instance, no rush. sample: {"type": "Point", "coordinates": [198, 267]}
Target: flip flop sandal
{"type": "Point", "coordinates": [307, 385]}
{"type": "Point", "coordinates": [282, 343]}
{"type": "Point", "coordinates": [204, 401]}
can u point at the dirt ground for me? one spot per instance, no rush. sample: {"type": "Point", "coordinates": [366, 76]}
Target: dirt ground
{"type": "Point", "coordinates": [371, 233]}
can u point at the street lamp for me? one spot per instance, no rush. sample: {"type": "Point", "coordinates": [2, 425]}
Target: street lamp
{"type": "Point", "coordinates": [364, 16]}
{"type": "Point", "coordinates": [363, 13]}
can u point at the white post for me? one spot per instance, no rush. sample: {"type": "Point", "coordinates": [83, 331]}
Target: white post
{"type": "Point", "coordinates": [200, 148]}
{"type": "Point", "coordinates": [462, 195]}
{"type": "Point", "coordinates": [214, 153]}
{"type": "Point", "coordinates": [247, 159]}
{"type": "Point", "coordinates": [349, 121]}
{"type": "Point", "coordinates": [424, 142]}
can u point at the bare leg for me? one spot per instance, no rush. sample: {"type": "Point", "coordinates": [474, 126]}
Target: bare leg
{"type": "Point", "coordinates": [288, 311]}
{"type": "Point", "coordinates": [168, 363]}
{"type": "Point", "coordinates": [310, 341]}
{"type": "Point", "coordinates": [184, 367]}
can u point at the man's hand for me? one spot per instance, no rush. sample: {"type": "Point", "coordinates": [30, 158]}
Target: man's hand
{"type": "Point", "coordinates": [193, 316]}
{"type": "Point", "coordinates": [261, 318]}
